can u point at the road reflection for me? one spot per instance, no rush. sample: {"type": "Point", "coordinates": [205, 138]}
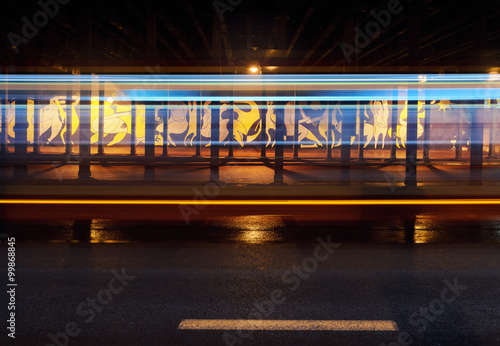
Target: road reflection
{"type": "Point", "coordinates": [259, 229]}
{"type": "Point", "coordinates": [253, 229]}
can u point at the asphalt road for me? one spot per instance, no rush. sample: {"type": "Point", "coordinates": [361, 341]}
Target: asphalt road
{"type": "Point", "coordinates": [139, 293]}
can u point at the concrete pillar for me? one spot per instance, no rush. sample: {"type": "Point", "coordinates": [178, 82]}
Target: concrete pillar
{"type": "Point", "coordinates": [85, 94]}
{"type": "Point", "coordinates": [412, 121]}
{"type": "Point", "coordinates": [348, 111]}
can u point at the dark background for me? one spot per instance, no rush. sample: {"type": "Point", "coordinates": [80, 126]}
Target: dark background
{"type": "Point", "coordinates": [290, 37]}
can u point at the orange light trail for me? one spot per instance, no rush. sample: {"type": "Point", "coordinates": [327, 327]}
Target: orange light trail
{"type": "Point", "coordinates": [258, 202]}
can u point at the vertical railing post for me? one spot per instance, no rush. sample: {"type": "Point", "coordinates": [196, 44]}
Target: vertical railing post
{"type": "Point", "coordinates": [165, 113]}
{"type": "Point", "coordinates": [296, 144]}
{"type": "Point", "coordinates": [329, 128]}
{"type": "Point", "coordinates": [280, 139]}
{"type": "Point", "coordinates": [3, 105]}
{"type": "Point", "coordinates": [263, 133]}
{"type": "Point", "coordinates": [348, 114]}
{"type": "Point", "coordinates": [85, 133]}
{"type": "Point", "coordinates": [362, 111]}
{"type": "Point", "coordinates": [413, 60]}
{"type": "Point", "coordinates": [214, 140]}
{"type": "Point", "coordinates": [100, 145]}
{"type": "Point", "coordinates": [69, 120]}
{"type": "Point", "coordinates": [458, 144]}
{"type": "Point", "coordinates": [3, 108]}
{"type": "Point", "coordinates": [427, 129]}
{"type": "Point", "coordinates": [197, 143]}
{"type": "Point", "coordinates": [494, 117]}
{"type": "Point", "coordinates": [348, 121]}
{"type": "Point", "coordinates": [231, 128]}
{"type": "Point", "coordinates": [133, 127]}
{"type": "Point", "coordinates": [491, 140]}
{"type": "Point", "coordinates": [215, 105]}
{"type": "Point", "coordinates": [21, 134]}
{"type": "Point", "coordinates": [411, 138]}
{"type": "Point", "coordinates": [38, 105]}
{"type": "Point", "coordinates": [476, 144]}
{"type": "Point", "coordinates": [149, 147]}
{"type": "Point", "coordinates": [394, 122]}
{"type": "Point", "coordinates": [86, 83]}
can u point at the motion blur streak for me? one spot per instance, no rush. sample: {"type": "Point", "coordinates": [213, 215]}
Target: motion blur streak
{"type": "Point", "coordinates": [263, 202]}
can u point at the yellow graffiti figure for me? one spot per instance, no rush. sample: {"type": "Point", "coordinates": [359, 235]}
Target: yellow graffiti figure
{"type": "Point", "coordinates": [247, 123]}
{"type": "Point", "coordinates": [402, 127]}
{"type": "Point", "coordinates": [117, 121]}
{"type": "Point", "coordinates": [380, 122]}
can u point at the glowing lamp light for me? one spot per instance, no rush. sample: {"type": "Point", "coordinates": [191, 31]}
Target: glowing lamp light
{"type": "Point", "coordinates": [493, 74]}
{"type": "Point", "coordinates": [254, 69]}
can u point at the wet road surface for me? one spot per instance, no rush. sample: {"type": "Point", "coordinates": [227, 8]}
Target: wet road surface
{"type": "Point", "coordinates": [112, 282]}
{"type": "Point", "coordinates": [258, 229]}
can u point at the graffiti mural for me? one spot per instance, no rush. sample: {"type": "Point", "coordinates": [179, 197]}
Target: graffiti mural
{"type": "Point", "coordinates": [51, 120]}
{"type": "Point", "coordinates": [247, 123]}
{"type": "Point", "coordinates": [307, 122]}
{"type": "Point", "coordinates": [376, 123]}
{"type": "Point", "coordinates": [447, 120]}
{"type": "Point", "coordinates": [10, 120]}
{"type": "Point", "coordinates": [117, 122]}
{"type": "Point", "coordinates": [312, 123]}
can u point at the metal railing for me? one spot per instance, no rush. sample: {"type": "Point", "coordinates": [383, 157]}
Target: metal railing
{"type": "Point", "coordinates": [183, 119]}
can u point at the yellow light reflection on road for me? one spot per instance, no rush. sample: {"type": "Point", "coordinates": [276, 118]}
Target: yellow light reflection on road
{"type": "Point", "coordinates": [99, 233]}
{"type": "Point", "coordinates": [425, 227]}
{"type": "Point", "coordinates": [254, 229]}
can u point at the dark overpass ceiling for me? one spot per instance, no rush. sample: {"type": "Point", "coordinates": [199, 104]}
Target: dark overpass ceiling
{"type": "Point", "coordinates": [281, 36]}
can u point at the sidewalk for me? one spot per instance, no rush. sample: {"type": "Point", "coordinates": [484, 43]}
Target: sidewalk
{"type": "Point", "coordinates": [250, 180]}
